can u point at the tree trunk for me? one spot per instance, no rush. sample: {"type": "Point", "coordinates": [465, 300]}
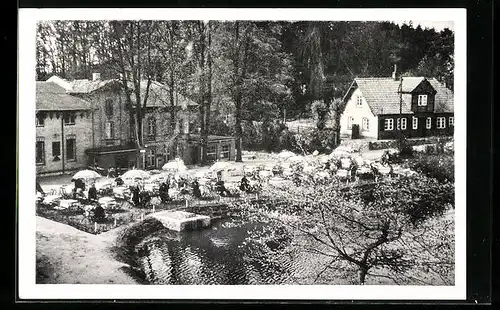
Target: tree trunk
{"type": "Point", "coordinates": [209, 84]}
{"type": "Point", "coordinates": [362, 275]}
{"type": "Point", "coordinates": [172, 111]}
{"type": "Point", "coordinates": [238, 97]}
{"type": "Point", "coordinates": [238, 130]}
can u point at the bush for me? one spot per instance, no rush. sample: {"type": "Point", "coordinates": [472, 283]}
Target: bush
{"type": "Point", "coordinates": [319, 111]}
{"type": "Point", "coordinates": [418, 196]}
{"type": "Point", "coordinates": [440, 167]}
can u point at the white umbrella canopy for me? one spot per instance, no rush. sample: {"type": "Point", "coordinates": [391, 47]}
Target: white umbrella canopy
{"type": "Point", "coordinates": [135, 174]}
{"type": "Point", "coordinates": [222, 165]}
{"type": "Point", "coordinates": [86, 174]}
{"type": "Point", "coordinates": [283, 155]}
{"type": "Point", "coordinates": [296, 158]}
{"type": "Point", "coordinates": [175, 165]}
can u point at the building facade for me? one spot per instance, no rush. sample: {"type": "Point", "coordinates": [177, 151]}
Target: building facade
{"type": "Point", "coordinates": [63, 129]}
{"type": "Point", "coordinates": [106, 135]}
{"type": "Point", "coordinates": [386, 108]}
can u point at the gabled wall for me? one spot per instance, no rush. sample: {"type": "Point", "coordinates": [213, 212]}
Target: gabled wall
{"type": "Point", "coordinates": [358, 113]}
{"type": "Point", "coordinates": [52, 131]}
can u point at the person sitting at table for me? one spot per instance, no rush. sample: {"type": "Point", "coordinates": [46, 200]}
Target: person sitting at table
{"type": "Point", "coordinates": [196, 188]}
{"type": "Point", "coordinates": [135, 196]}
{"type": "Point", "coordinates": [111, 173]}
{"type": "Point", "coordinates": [244, 184]}
{"type": "Point", "coordinates": [221, 189]}
{"type": "Point", "coordinates": [92, 193]}
{"type": "Point", "coordinates": [119, 181]}
{"type": "Point", "coordinates": [79, 184]}
{"type": "Point", "coordinates": [164, 187]}
{"type": "Point", "coordinates": [78, 194]}
{"type": "Point", "coordinates": [99, 214]}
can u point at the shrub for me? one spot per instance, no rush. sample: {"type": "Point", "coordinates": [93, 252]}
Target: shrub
{"type": "Point", "coordinates": [440, 167]}
{"type": "Point", "coordinates": [130, 237]}
{"type": "Point", "coordinates": [319, 111]}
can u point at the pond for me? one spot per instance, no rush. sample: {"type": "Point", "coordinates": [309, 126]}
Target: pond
{"type": "Point", "coordinates": [230, 252]}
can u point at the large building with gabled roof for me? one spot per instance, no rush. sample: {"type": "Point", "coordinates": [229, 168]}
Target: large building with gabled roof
{"type": "Point", "coordinates": [386, 108]}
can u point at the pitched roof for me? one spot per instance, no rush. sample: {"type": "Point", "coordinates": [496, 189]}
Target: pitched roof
{"type": "Point", "coordinates": [443, 102]}
{"type": "Point", "coordinates": [87, 86]}
{"type": "Point", "coordinates": [159, 96]}
{"type": "Point", "coordinates": [382, 94]}
{"type": "Point", "coordinates": [52, 97]}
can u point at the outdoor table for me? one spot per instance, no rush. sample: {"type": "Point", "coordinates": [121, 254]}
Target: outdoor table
{"type": "Point", "coordinates": [345, 163]}
{"type": "Point", "coordinates": [66, 203]}
{"type": "Point", "coordinates": [51, 199]}
{"type": "Point", "coordinates": [150, 187]}
{"type": "Point", "coordinates": [107, 202]}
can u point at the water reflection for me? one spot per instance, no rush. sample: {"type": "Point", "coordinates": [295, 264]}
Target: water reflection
{"type": "Point", "coordinates": [220, 255]}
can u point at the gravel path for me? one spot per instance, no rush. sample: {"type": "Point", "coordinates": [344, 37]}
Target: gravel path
{"type": "Point", "coordinates": [65, 255]}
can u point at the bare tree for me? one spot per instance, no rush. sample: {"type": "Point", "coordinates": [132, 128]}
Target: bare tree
{"type": "Point", "coordinates": [377, 229]}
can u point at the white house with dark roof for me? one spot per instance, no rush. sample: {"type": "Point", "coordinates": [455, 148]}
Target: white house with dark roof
{"type": "Point", "coordinates": [383, 108]}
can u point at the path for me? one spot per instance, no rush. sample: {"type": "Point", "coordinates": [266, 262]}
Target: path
{"type": "Point", "coordinates": [67, 255]}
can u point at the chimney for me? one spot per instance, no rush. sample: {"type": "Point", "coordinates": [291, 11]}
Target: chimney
{"type": "Point", "coordinates": [96, 76]}
{"type": "Point", "coordinates": [394, 72]}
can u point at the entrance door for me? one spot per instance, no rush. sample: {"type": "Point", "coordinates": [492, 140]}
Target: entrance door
{"type": "Point", "coordinates": [195, 154]}
{"type": "Point", "coordinates": [421, 127]}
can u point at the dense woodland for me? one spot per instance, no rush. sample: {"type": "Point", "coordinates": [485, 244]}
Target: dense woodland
{"type": "Point", "coordinates": [244, 73]}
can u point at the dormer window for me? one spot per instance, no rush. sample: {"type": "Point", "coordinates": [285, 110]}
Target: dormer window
{"type": "Point", "coordinates": [359, 101]}
{"type": "Point", "coordinates": [422, 100]}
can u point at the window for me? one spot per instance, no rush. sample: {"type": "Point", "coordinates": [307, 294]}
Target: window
{"type": "Point", "coordinates": [422, 100]}
{"type": "Point", "coordinates": [56, 151]}
{"type": "Point", "coordinates": [441, 122]}
{"type": "Point", "coordinates": [403, 124]}
{"type": "Point", "coordinates": [225, 152]}
{"type": "Point", "coordinates": [451, 121]}
{"type": "Point", "coordinates": [428, 123]}
{"type": "Point", "coordinates": [40, 152]}
{"type": "Point", "coordinates": [366, 124]}
{"type": "Point", "coordinates": [350, 120]}
{"type": "Point", "coordinates": [152, 126]}
{"type": "Point", "coordinates": [108, 108]}
{"type": "Point", "coordinates": [70, 149]}
{"type": "Point", "coordinates": [389, 124]}
{"type": "Point", "coordinates": [359, 101]}
{"type": "Point", "coordinates": [69, 119]}
{"type": "Point", "coordinates": [109, 130]}
{"type": "Point", "coordinates": [211, 152]}
{"type": "Point", "coordinates": [40, 120]}
{"type": "Point", "coordinates": [415, 122]}
{"type": "Point", "coordinates": [150, 161]}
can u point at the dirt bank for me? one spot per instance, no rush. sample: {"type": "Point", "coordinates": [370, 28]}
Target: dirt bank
{"type": "Point", "coordinates": [65, 255]}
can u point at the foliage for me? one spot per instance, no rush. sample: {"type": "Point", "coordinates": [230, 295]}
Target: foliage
{"type": "Point", "coordinates": [319, 110]}
{"type": "Point", "coordinates": [248, 70]}
{"type": "Point", "coordinates": [441, 166]}
{"type": "Point", "coordinates": [376, 229]}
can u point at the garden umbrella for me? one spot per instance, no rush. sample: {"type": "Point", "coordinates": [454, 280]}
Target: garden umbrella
{"type": "Point", "coordinates": [86, 174]}
{"type": "Point", "coordinates": [175, 165]}
{"type": "Point", "coordinates": [136, 174]}
{"type": "Point", "coordinates": [221, 165]}
{"type": "Point", "coordinates": [295, 158]}
{"type": "Point", "coordinates": [284, 155]}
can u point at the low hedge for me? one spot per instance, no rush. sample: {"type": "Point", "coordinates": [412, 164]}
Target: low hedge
{"type": "Point", "coordinates": [385, 144]}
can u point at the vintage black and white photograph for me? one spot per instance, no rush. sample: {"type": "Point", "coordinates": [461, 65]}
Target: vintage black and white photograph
{"type": "Point", "coordinates": [244, 152]}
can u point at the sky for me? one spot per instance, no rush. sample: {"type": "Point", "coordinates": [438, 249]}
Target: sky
{"type": "Point", "coordinates": [438, 25]}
